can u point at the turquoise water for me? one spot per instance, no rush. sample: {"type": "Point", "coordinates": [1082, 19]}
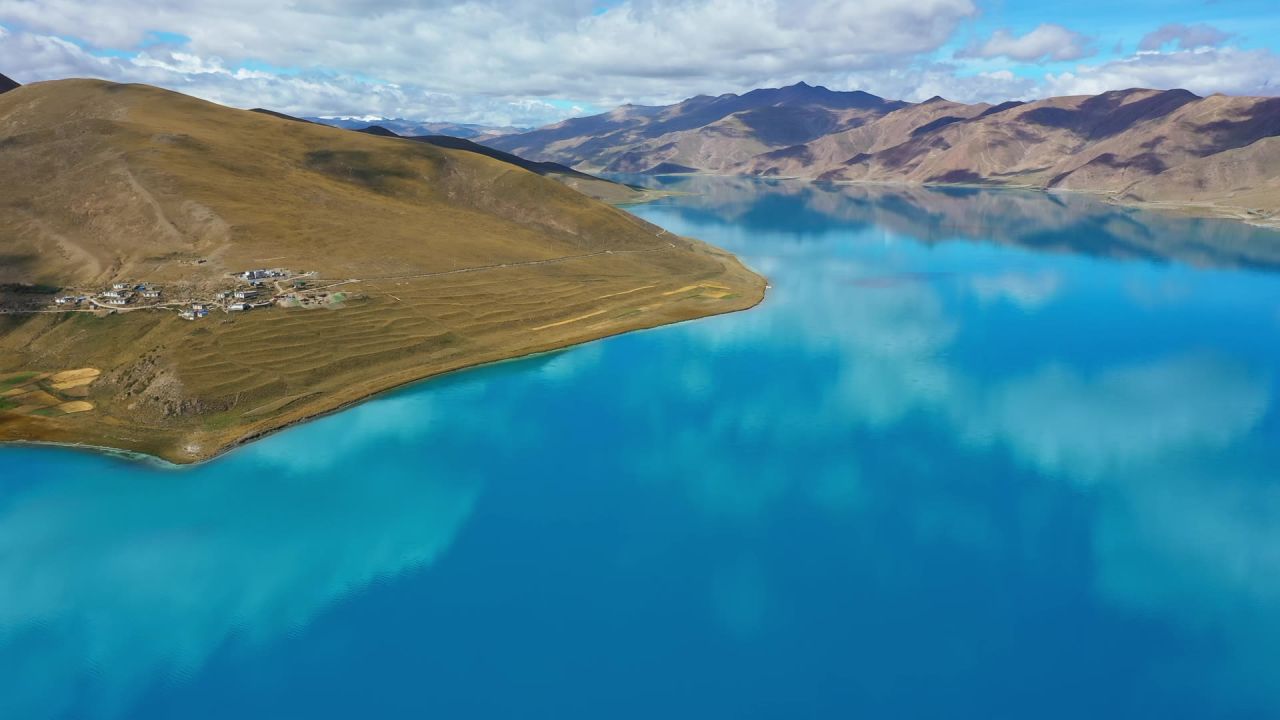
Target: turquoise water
{"type": "Point", "coordinates": [978, 455]}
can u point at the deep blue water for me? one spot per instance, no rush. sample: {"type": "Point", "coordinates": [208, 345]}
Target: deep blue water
{"type": "Point", "coordinates": [978, 455]}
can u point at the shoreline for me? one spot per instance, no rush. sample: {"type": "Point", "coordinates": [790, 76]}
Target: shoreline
{"type": "Point", "coordinates": [1202, 209]}
{"type": "Point", "coordinates": [1205, 210]}
{"type": "Point", "coordinates": [163, 463]}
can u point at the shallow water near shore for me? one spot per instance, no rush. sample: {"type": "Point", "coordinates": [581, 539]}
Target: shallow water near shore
{"type": "Point", "coordinates": [979, 454]}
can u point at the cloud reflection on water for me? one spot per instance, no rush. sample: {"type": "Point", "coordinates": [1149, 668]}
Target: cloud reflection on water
{"type": "Point", "coordinates": [1184, 531]}
{"type": "Point", "coordinates": [114, 579]}
{"type": "Point", "coordinates": [857, 392]}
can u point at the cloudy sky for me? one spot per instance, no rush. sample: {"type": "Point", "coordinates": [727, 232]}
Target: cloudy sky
{"type": "Point", "coordinates": [534, 62]}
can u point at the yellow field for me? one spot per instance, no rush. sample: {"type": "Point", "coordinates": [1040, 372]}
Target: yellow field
{"type": "Point", "coordinates": [31, 394]}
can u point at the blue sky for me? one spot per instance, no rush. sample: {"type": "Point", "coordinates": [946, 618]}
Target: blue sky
{"type": "Point", "coordinates": [1119, 25]}
{"type": "Point", "coordinates": [531, 63]}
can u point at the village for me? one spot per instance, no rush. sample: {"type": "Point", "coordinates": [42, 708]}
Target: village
{"type": "Point", "coordinates": [246, 290]}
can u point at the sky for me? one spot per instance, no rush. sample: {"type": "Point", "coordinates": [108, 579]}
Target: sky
{"type": "Point", "coordinates": [535, 62]}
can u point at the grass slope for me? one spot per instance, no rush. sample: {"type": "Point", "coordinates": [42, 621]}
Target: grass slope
{"type": "Point", "coordinates": [589, 185]}
{"type": "Point", "coordinates": [110, 182]}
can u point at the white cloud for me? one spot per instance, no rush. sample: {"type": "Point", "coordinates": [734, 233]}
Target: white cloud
{"type": "Point", "coordinates": [1187, 37]}
{"type": "Point", "coordinates": [1029, 291]}
{"type": "Point", "coordinates": [28, 57]}
{"type": "Point", "coordinates": [1204, 71]}
{"type": "Point", "coordinates": [498, 63]}
{"type": "Point", "coordinates": [487, 51]}
{"type": "Point", "coordinates": [919, 82]}
{"type": "Point", "coordinates": [1047, 42]}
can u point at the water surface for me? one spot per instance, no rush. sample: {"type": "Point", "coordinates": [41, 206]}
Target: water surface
{"type": "Point", "coordinates": [978, 455]}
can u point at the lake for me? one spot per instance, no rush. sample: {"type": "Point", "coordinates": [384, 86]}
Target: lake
{"type": "Point", "coordinates": [979, 454]}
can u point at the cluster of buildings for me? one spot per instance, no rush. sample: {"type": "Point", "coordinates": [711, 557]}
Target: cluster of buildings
{"type": "Point", "coordinates": [124, 293]}
{"type": "Point", "coordinates": [121, 294]}
{"type": "Point", "coordinates": [243, 296]}
{"type": "Point", "coordinates": [197, 310]}
{"type": "Point", "coordinates": [252, 275]}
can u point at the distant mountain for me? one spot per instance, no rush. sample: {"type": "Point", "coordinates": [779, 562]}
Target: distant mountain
{"type": "Point", "coordinates": [6, 84]}
{"type": "Point", "coordinates": [404, 127]}
{"type": "Point", "coordinates": [1219, 155]}
{"type": "Point", "coordinates": [703, 132]}
{"type": "Point", "coordinates": [590, 185]}
{"type": "Point", "coordinates": [596, 187]}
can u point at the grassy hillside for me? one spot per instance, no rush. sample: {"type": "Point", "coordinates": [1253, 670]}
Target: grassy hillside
{"type": "Point", "coordinates": [446, 258]}
{"type": "Point", "coordinates": [589, 185]}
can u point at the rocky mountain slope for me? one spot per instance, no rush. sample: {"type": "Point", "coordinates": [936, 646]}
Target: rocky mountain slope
{"type": "Point", "coordinates": [418, 259]}
{"type": "Point", "coordinates": [1215, 154]}
{"type": "Point", "coordinates": [701, 133]}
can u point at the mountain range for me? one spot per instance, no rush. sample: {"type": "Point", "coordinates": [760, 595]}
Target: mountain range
{"type": "Point", "coordinates": [403, 127]}
{"type": "Point", "coordinates": [1216, 155]}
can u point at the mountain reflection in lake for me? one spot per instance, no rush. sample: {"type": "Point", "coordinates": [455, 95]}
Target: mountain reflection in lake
{"type": "Point", "coordinates": [979, 454]}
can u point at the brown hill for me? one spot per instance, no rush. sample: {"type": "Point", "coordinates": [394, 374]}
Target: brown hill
{"type": "Point", "coordinates": [1143, 146]}
{"type": "Point", "coordinates": [590, 185]}
{"type": "Point", "coordinates": [423, 259]}
{"type": "Point", "coordinates": [585, 183]}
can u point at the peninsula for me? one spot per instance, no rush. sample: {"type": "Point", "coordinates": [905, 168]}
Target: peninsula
{"type": "Point", "coordinates": [178, 277]}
